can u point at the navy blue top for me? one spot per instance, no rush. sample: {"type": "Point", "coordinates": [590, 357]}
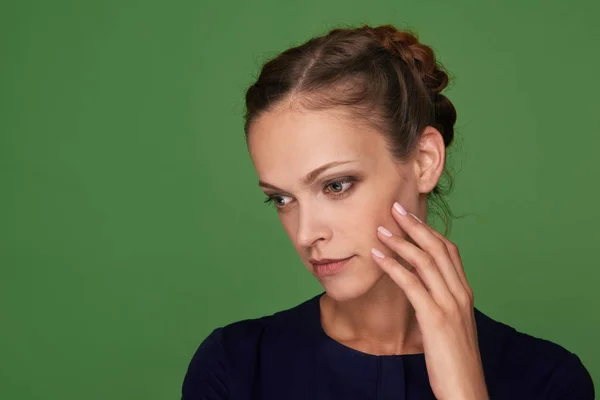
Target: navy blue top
{"type": "Point", "coordinates": [288, 356]}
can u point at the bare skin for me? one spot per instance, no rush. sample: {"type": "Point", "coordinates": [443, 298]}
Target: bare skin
{"type": "Point", "coordinates": [416, 298]}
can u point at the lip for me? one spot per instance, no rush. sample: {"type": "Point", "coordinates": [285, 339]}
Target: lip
{"type": "Point", "coordinates": [328, 266]}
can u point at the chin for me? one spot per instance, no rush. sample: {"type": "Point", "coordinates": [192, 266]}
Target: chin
{"type": "Point", "coordinates": [345, 287]}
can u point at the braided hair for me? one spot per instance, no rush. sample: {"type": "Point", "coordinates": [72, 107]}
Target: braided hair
{"type": "Point", "coordinates": [383, 75]}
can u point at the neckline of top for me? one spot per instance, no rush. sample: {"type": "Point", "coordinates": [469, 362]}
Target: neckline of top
{"type": "Point", "coordinates": [316, 316]}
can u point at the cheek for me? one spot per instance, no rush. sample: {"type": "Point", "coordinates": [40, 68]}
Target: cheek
{"type": "Point", "coordinates": [362, 224]}
{"type": "Point", "coordinates": [374, 212]}
{"type": "Point", "coordinates": [289, 226]}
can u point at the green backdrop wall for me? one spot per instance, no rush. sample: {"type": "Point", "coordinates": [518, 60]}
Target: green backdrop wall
{"type": "Point", "coordinates": [131, 223]}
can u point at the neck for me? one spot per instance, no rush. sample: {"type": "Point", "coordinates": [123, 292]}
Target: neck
{"type": "Point", "coordinates": [382, 321]}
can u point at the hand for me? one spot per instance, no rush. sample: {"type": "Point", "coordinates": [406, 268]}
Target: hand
{"type": "Point", "coordinates": [443, 301]}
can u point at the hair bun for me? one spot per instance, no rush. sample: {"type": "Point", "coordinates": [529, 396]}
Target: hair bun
{"type": "Point", "coordinates": [421, 59]}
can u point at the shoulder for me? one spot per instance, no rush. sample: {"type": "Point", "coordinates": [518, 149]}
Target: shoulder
{"type": "Point", "coordinates": [514, 359]}
{"type": "Point", "coordinates": [238, 335]}
{"type": "Point", "coordinates": [235, 347]}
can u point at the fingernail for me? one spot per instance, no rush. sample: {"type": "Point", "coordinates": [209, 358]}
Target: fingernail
{"type": "Point", "coordinates": [417, 218]}
{"type": "Point", "coordinates": [384, 231]}
{"type": "Point", "coordinates": [377, 253]}
{"type": "Point", "coordinates": [399, 208]}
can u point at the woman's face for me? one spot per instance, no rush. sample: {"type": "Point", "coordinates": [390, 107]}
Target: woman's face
{"type": "Point", "coordinates": [334, 213]}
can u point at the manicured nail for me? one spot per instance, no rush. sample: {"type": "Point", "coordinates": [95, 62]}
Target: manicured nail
{"type": "Point", "coordinates": [399, 208]}
{"type": "Point", "coordinates": [417, 218]}
{"type": "Point", "coordinates": [377, 253]}
{"type": "Point", "coordinates": [384, 231]}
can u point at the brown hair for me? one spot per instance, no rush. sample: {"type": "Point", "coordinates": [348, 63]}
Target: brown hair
{"type": "Point", "coordinates": [384, 75]}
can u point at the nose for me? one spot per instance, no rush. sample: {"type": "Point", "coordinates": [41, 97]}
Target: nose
{"type": "Point", "coordinates": [312, 227]}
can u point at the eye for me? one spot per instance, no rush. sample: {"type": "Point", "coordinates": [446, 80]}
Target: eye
{"type": "Point", "coordinates": [340, 185]}
{"type": "Point", "coordinates": [337, 188]}
{"type": "Point", "coordinates": [279, 201]}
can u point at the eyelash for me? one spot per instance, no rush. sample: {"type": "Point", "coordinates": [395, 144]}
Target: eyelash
{"type": "Point", "coordinates": [336, 195]}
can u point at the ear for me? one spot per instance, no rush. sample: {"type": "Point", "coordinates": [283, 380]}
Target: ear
{"type": "Point", "coordinates": [429, 159]}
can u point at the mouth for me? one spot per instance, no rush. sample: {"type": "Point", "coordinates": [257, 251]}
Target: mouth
{"type": "Point", "coordinates": [329, 266]}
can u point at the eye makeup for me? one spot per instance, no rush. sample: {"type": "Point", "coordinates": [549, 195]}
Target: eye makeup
{"type": "Point", "coordinates": [349, 182]}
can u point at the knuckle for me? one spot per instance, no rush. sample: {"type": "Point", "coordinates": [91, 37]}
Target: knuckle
{"type": "Point", "coordinates": [437, 317]}
{"type": "Point", "coordinates": [452, 309]}
{"type": "Point", "coordinates": [411, 281]}
{"type": "Point", "coordinates": [440, 247]}
{"type": "Point", "coordinates": [464, 299]}
{"type": "Point", "coordinates": [452, 248]}
{"type": "Point", "coordinates": [428, 262]}
{"type": "Point", "coordinates": [471, 297]}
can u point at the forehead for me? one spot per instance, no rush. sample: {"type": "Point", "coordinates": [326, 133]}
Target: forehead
{"type": "Point", "coordinates": [294, 141]}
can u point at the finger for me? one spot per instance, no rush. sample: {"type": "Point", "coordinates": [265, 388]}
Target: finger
{"type": "Point", "coordinates": [410, 283]}
{"type": "Point", "coordinates": [424, 264]}
{"type": "Point", "coordinates": [455, 256]}
{"type": "Point", "coordinates": [433, 245]}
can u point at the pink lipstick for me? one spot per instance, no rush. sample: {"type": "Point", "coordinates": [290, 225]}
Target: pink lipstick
{"type": "Point", "coordinates": [328, 266]}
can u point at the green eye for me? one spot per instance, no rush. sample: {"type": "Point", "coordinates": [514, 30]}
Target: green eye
{"type": "Point", "coordinates": [276, 200]}
{"type": "Point", "coordinates": [337, 186]}
{"type": "Point", "coordinates": [340, 186]}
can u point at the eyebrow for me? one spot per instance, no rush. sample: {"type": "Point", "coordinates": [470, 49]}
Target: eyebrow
{"type": "Point", "coordinates": [311, 176]}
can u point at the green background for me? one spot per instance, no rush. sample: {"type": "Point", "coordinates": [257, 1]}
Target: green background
{"type": "Point", "coordinates": [131, 223]}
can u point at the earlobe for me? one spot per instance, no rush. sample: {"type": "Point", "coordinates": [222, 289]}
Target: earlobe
{"type": "Point", "coordinates": [430, 159]}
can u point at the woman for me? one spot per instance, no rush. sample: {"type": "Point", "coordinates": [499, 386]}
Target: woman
{"type": "Point", "coordinates": [348, 135]}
